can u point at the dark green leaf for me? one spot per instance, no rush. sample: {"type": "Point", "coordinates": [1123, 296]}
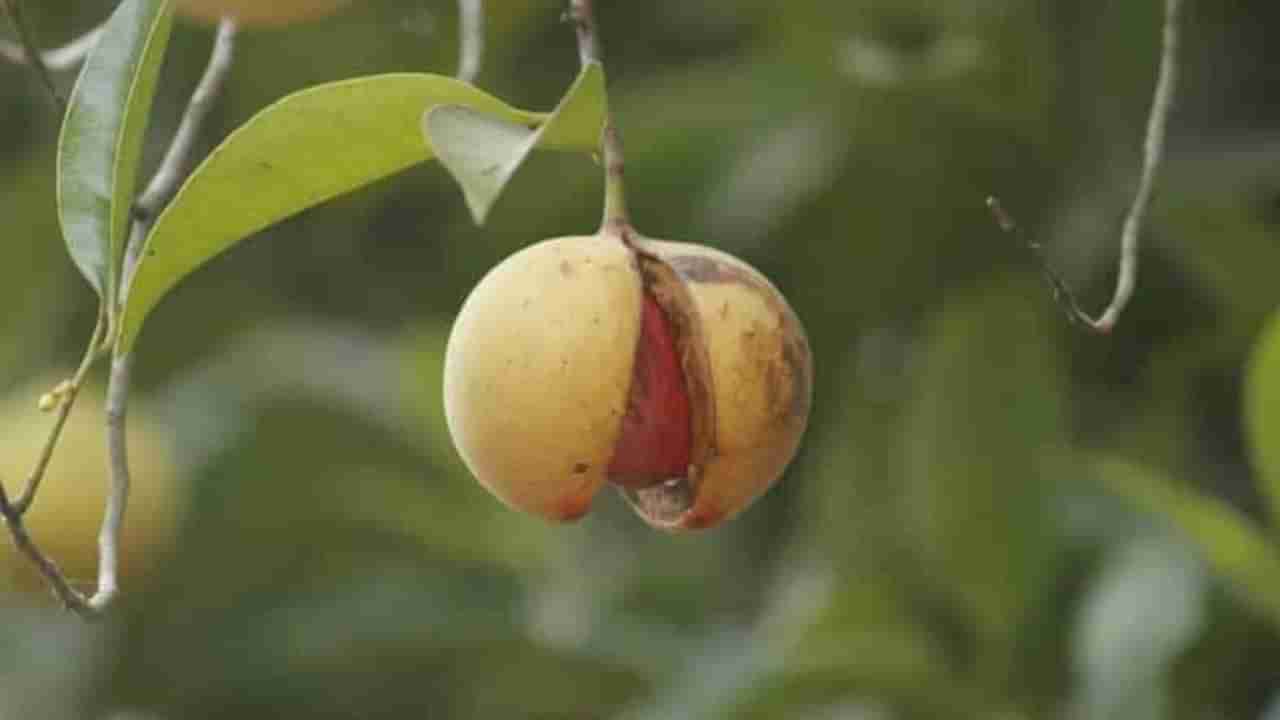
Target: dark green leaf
{"type": "Point", "coordinates": [102, 135]}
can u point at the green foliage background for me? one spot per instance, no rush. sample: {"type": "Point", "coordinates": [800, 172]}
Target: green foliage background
{"type": "Point", "coordinates": [995, 515]}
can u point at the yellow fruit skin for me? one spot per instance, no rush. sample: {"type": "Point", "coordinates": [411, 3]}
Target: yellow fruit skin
{"type": "Point", "coordinates": [538, 369]}
{"type": "Point", "coordinates": [761, 379]}
{"type": "Point", "coordinates": [259, 13]}
{"type": "Point", "coordinates": [67, 511]}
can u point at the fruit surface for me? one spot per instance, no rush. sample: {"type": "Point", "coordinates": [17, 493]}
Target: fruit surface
{"type": "Point", "coordinates": [761, 380]}
{"type": "Point", "coordinates": [537, 371]}
{"type": "Point", "coordinates": [260, 13]}
{"type": "Point", "coordinates": [670, 370]}
{"type": "Point", "coordinates": [65, 516]}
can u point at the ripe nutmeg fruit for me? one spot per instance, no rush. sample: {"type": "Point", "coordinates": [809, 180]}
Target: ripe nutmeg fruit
{"type": "Point", "coordinates": [259, 13]}
{"type": "Point", "coordinates": [673, 371]}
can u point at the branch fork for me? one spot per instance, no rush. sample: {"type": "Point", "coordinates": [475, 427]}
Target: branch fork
{"type": "Point", "coordinates": [1153, 153]}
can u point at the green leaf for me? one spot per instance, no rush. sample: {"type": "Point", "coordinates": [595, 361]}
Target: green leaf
{"type": "Point", "coordinates": [483, 151]}
{"type": "Point", "coordinates": [101, 141]}
{"type": "Point", "coordinates": [1262, 412]}
{"type": "Point", "coordinates": [981, 439]}
{"type": "Point", "coordinates": [309, 147]}
{"type": "Point", "coordinates": [1232, 546]}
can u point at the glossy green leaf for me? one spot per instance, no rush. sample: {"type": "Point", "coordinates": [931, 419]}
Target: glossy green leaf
{"type": "Point", "coordinates": [483, 151]}
{"type": "Point", "coordinates": [101, 141]}
{"type": "Point", "coordinates": [1233, 547]}
{"type": "Point", "coordinates": [1262, 413]}
{"type": "Point", "coordinates": [309, 147]}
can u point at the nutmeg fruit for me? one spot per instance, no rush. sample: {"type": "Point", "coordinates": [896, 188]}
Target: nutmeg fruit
{"type": "Point", "coordinates": [673, 371]}
{"type": "Point", "coordinates": [259, 13]}
{"type": "Point", "coordinates": [67, 511]}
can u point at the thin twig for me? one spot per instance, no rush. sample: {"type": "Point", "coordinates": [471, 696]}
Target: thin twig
{"type": "Point", "coordinates": [13, 511]}
{"type": "Point", "coordinates": [118, 492]}
{"type": "Point", "coordinates": [470, 39]}
{"type": "Point", "coordinates": [159, 192]}
{"type": "Point", "coordinates": [65, 397]}
{"type": "Point", "coordinates": [32, 50]}
{"type": "Point", "coordinates": [176, 161]}
{"type": "Point", "coordinates": [582, 14]}
{"type": "Point", "coordinates": [1153, 153]}
{"type": "Point", "coordinates": [57, 59]}
{"type": "Point", "coordinates": [67, 595]}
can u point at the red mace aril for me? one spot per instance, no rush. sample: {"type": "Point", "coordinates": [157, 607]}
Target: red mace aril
{"type": "Point", "coordinates": [655, 439]}
{"type": "Point", "coordinates": [673, 371]}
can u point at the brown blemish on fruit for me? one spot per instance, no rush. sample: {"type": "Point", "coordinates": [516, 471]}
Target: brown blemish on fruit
{"type": "Point", "coordinates": [580, 468]}
{"type": "Point", "coordinates": [566, 269]}
{"type": "Point", "coordinates": [795, 353]}
{"type": "Point", "coordinates": [703, 518]}
{"type": "Point", "coordinates": [573, 506]}
{"type": "Point", "coordinates": [702, 269]}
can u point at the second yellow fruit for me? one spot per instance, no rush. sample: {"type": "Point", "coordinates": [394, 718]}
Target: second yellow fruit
{"type": "Point", "coordinates": [67, 511]}
{"type": "Point", "coordinates": [260, 13]}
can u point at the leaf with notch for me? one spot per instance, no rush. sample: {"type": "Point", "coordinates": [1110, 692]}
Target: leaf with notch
{"type": "Point", "coordinates": [101, 141]}
{"type": "Point", "coordinates": [307, 148]}
{"type": "Point", "coordinates": [483, 151]}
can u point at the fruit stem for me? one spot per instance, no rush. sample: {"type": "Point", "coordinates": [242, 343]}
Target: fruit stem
{"type": "Point", "coordinates": [615, 195]}
{"type": "Point", "coordinates": [616, 217]}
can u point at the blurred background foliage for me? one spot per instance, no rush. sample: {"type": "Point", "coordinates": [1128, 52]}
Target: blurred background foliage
{"type": "Point", "coordinates": [994, 515]}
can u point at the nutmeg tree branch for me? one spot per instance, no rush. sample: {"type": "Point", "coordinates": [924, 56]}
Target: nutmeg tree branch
{"type": "Point", "coordinates": [582, 14]}
{"type": "Point", "coordinates": [63, 398]}
{"type": "Point", "coordinates": [57, 59]}
{"type": "Point", "coordinates": [1152, 155]}
{"type": "Point", "coordinates": [470, 39]}
{"type": "Point", "coordinates": [164, 184]}
{"type": "Point", "coordinates": [67, 595]}
{"type": "Point", "coordinates": [31, 51]}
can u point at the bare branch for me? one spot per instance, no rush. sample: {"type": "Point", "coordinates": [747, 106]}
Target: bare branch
{"type": "Point", "coordinates": [118, 492]}
{"type": "Point", "coordinates": [1153, 153]}
{"type": "Point", "coordinates": [64, 397]}
{"type": "Point", "coordinates": [158, 193]}
{"type": "Point", "coordinates": [31, 51]}
{"type": "Point", "coordinates": [165, 183]}
{"type": "Point", "coordinates": [582, 14]}
{"type": "Point", "coordinates": [470, 39]}
{"type": "Point", "coordinates": [57, 59]}
{"type": "Point", "coordinates": [65, 400]}
{"type": "Point", "coordinates": [67, 595]}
